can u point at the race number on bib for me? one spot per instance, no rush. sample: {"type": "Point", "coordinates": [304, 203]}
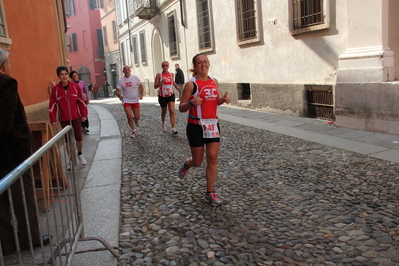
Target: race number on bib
{"type": "Point", "coordinates": [167, 90]}
{"type": "Point", "coordinates": [210, 128]}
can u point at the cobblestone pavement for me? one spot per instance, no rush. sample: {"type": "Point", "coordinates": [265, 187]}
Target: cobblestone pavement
{"type": "Point", "coordinates": [286, 201]}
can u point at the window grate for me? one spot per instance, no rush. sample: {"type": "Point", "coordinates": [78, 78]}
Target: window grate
{"type": "Point", "coordinates": [172, 36]}
{"type": "Point", "coordinates": [307, 13]}
{"type": "Point", "coordinates": [244, 91]}
{"type": "Point", "coordinates": [320, 100]}
{"type": "Point", "coordinates": [135, 52]}
{"type": "Point", "coordinates": [142, 48]}
{"type": "Point", "coordinates": [204, 30]}
{"type": "Point", "coordinates": [246, 19]}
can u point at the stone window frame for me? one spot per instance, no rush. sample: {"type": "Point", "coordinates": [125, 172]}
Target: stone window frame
{"type": "Point", "coordinates": [5, 41]}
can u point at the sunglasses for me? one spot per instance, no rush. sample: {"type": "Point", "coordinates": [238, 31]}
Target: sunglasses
{"type": "Point", "coordinates": [165, 65]}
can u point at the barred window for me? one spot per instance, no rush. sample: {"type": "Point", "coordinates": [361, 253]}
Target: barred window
{"type": "Point", "coordinates": [172, 35]}
{"type": "Point", "coordinates": [135, 50]}
{"type": "Point", "coordinates": [307, 13]}
{"type": "Point", "coordinates": [246, 13]}
{"type": "Point", "coordinates": [142, 48]}
{"type": "Point", "coordinates": [204, 25]}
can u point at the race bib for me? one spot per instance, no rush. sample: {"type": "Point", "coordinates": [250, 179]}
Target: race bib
{"type": "Point", "coordinates": [167, 90]}
{"type": "Point", "coordinates": [210, 128]}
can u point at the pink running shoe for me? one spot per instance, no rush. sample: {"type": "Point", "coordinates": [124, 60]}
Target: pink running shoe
{"type": "Point", "coordinates": [213, 199]}
{"type": "Point", "coordinates": [183, 169]}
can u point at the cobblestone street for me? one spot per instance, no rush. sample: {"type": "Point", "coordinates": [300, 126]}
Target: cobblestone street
{"type": "Point", "coordinates": [286, 201]}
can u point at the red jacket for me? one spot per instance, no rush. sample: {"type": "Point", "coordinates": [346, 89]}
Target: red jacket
{"type": "Point", "coordinates": [70, 103]}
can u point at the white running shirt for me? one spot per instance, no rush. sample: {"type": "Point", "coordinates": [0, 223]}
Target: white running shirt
{"type": "Point", "coordinates": [130, 88]}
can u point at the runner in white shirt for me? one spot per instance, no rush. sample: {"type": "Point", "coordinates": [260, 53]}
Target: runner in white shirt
{"type": "Point", "coordinates": [130, 85]}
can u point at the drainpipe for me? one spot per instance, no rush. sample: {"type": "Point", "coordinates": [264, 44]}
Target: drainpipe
{"type": "Point", "coordinates": [128, 26]}
{"type": "Point", "coordinates": [185, 39]}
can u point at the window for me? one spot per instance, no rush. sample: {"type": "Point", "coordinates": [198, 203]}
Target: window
{"type": "Point", "coordinates": [204, 26]}
{"type": "Point", "coordinates": [135, 50]}
{"type": "Point", "coordinates": [172, 35]}
{"type": "Point", "coordinates": [123, 54]}
{"type": "Point", "coordinates": [94, 4]}
{"type": "Point", "coordinates": [3, 32]}
{"type": "Point", "coordinates": [246, 16]}
{"type": "Point", "coordinates": [105, 35]}
{"type": "Point", "coordinates": [69, 8]}
{"type": "Point", "coordinates": [68, 43]}
{"type": "Point", "coordinates": [4, 37]}
{"type": "Point", "coordinates": [100, 48]}
{"type": "Point", "coordinates": [101, 3]}
{"type": "Point", "coordinates": [74, 42]}
{"type": "Point", "coordinates": [142, 47]}
{"type": "Point", "coordinates": [309, 15]}
{"type": "Point", "coordinates": [114, 31]}
{"type": "Point", "coordinates": [118, 11]}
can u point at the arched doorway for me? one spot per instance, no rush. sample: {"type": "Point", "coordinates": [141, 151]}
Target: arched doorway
{"type": "Point", "coordinates": [157, 50]}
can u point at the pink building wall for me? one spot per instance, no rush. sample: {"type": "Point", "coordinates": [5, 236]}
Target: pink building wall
{"type": "Point", "coordinates": [86, 23]}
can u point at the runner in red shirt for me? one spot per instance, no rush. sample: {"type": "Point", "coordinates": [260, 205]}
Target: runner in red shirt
{"type": "Point", "coordinates": [166, 96]}
{"type": "Point", "coordinates": [201, 98]}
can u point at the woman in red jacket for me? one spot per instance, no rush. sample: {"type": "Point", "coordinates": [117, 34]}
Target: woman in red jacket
{"type": "Point", "coordinates": [66, 97]}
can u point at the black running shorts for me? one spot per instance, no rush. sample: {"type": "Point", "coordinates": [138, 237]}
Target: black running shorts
{"type": "Point", "coordinates": [195, 135]}
{"type": "Point", "coordinates": [163, 101]}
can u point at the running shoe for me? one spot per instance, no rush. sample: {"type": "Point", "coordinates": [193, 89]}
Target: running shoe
{"type": "Point", "coordinates": [213, 199]}
{"type": "Point", "coordinates": [174, 131]}
{"type": "Point", "coordinates": [82, 159]}
{"type": "Point", "coordinates": [164, 126]}
{"type": "Point", "coordinates": [134, 133]}
{"type": "Point", "coordinates": [136, 122]}
{"type": "Point", "coordinates": [183, 169]}
{"type": "Point", "coordinates": [86, 129]}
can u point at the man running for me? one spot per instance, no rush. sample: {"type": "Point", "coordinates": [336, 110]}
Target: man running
{"type": "Point", "coordinates": [130, 96]}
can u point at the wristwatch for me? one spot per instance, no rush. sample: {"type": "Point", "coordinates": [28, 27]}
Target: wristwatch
{"type": "Point", "coordinates": [190, 103]}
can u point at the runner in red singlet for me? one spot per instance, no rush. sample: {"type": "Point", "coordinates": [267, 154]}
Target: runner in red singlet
{"type": "Point", "coordinates": [166, 96]}
{"type": "Point", "coordinates": [201, 98]}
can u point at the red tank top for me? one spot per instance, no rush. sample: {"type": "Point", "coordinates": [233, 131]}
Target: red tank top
{"type": "Point", "coordinates": [209, 93]}
{"type": "Point", "coordinates": [166, 89]}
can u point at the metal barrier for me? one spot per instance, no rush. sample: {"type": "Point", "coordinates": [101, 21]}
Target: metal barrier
{"type": "Point", "coordinates": [62, 216]}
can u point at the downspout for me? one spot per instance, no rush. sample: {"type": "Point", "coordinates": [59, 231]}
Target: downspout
{"type": "Point", "coordinates": [185, 39]}
{"type": "Point", "coordinates": [128, 27]}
